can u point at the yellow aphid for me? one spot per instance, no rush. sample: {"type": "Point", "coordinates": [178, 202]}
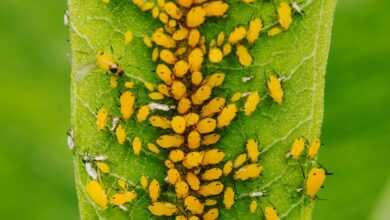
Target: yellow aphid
{"type": "Point", "coordinates": [155, 54]}
{"type": "Point", "coordinates": [161, 3]}
{"type": "Point", "coordinates": [167, 56]}
{"type": "Point", "coordinates": [195, 17]}
{"type": "Point", "coordinates": [155, 12]}
{"type": "Point", "coordinates": [210, 202]}
{"type": "Point", "coordinates": [253, 206]}
{"type": "Point", "coordinates": [149, 86]}
{"type": "Point", "coordinates": [137, 145]}
{"type": "Point", "coordinates": [270, 213]}
{"type": "Point", "coordinates": [147, 6]}
{"type": "Point", "coordinates": [160, 122]}
{"type": "Point", "coordinates": [201, 94]}
{"type": "Point", "coordinates": [154, 190]}
{"type": "Point", "coordinates": [248, 1]}
{"type": "Point", "coordinates": [227, 168]}
{"type": "Point", "coordinates": [251, 103]}
{"type": "Point", "coordinates": [215, 80]}
{"type": "Point", "coordinates": [164, 73]}
{"type": "Point", "coordinates": [156, 96]}
{"type": "Point", "coordinates": [184, 3]}
{"type": "Point", "coordinates": [193, 140]}
{"type": "Point", "coordinates": [163, 40]}
{"type": "Point", "coordinates": [240, 160]}
{"type": "Point", "coordinates": [212, 174]}
{"type": "Point", "coordinates": [169, 164]}
{"type": "Point", "coordinates": [123, 198]}
{"type": "Point", "coordinates": [184, 105]}
{"type": "Point", "coordinates": [193, 181]}
{"type": "Point", "coordinates": [227, 48]}
{"type": "Point", "coordinates": [172, 10]}
{"type": "Point", "coordinates": [176, 155]}
{"type": "Point", "coordinates": [181, 189]}
{"type": "Point", "coordinates": [127, 100]}
{"type": "Point", "coordinates": [181, 68]}
{"type": "Point", "coordinates": [193, 37]}
{"type": "Point", "coordinates": [181, 50]}
{"type": "Point", "coordinates": [314, 181]}
{"type": "Point", "coordinates": [143, 113]}
{"type": "Point", "coordinates": [178, 124]}
{"type": "Point", "coordinates": [227, 115]}
{"type": "Point", "coordinates": [172, 24]}
{"type": "Point", "coordinates": [285, 15]}
{"type": "Point", "coordinates": [128, 37]}
{"type": "Point", "coordinates": [192, 160]}
{"type": "Point", "coordinates": [120, 133]}
{"type": "Point", "coordinates": [215, 55]}
{"type": "Point", "coordinates": [243, 55]}
{"type": "Point", "coordinates": [211, 189]}
{"type": "Point", "coordinates": [195, 59]}
{"type": "Point", "coordinates": [275, 89]}
{"type": "Point", "coordinates": [173, 176]}
{"type": "Point", "coordinates": [297, 148]}
{"type": "Point", "coordinates": [214, 106]}
{"type": "Point", "coordinates": [228, 197]}
{"type": "Point", "coordinates": [212, 157]}
{"type": "Point", "coordinates": [180, 34]}
{"type": "Point", "coordinates": [220, 39]}
{"type": "Point", "coordinates": [144, 182]}
{"type": "Point", "coordinates": [163, 17]}
{"type": "Point", "coordinates": [170, 141]}
{"type": "Point", "coordinates": [216, 8]}
{"type": "Point", "coordinates": [211, 214]}
{"type": "Point", "coordinates": [210, 139]}
{"type": "Point", "coordinates": [313, 148]}
{"type": "Point", "coordinates": [123, 184]}
{"type": "Point", "coordinates": [178, 89]}
{"type": "Point", "coordinates": [192, 119]}
{"type": "Point", "coordinates": [274, 31]}
{"type": "Point", "coordinates": [237, 35]}
{"type": "Point", "coordinates": [236, 96]}
{"type": "Point", "coordinates": [163, 89]}
{"type": "Point", "coordinates": [252, 150]}
{"type": "Point", "coordinates": [250, 171]}
{"type": "Point", "coordinates": [106, 62]}
{"type": "Point", "coordinates": [97, 193]}
{"type": "Point", "coordinates": [193, 205]}
{"type": "Point", "coordinates": [101, 118]}
{"type": "Point", "coordinates": [138, 3]}
{"type": "Point", "coordinates": [114, 82]}
{"type": "Point", "coordinates": [206, 125]}
{"type": "Point", "coordinates": [103, 167]}
{"type": "Point", "coordinates": [194, 217]}
{"type": "Point", "coordinates": [148, 41]}
{"type": "Point", "coordinates": [129, 85]}
{"type": "Point", "coordinates": [255, 27]}
{"type": "Point", "coordinates": [180, 217]}
{"type": "Point", "coordinates": [162, 209]}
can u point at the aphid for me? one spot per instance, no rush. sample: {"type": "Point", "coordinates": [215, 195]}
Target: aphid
{"type": "Point", "coordinates": [251, 103]}
{"type": "Point", "coordinates": [193, 205]}
{"type": "Point", "coordinates": [270, 213]}
{"type": "Point", "coordinates": [164, 73]}
{"type": "Point", "coordinates": [181, 189]}
{"type": "Point", "coordinates": [212, 174]}
{"type": "Point", "coordinates": [214, 106]}
{"type": "Point", "coordinates": [184, 3]}
{"type": "Point", "coordinates": [216, 8]}
{"type": "Point", "coordinates": [227, 115]}
{"type": "Point", "coordinates": [220, 39]}
{"type": "Point", "coordinates": [70, 139]}
{"type": "Point", "coordinates": [215, 80]}
{"type": "Point", "coordinates": [275, 89]}
{"type": "Point", "coordinates": [169, 164]}
{"type": "Point", "coordinates": [253, 206]}
{"type": "Point", "coordinates": [178, 124]}
{"type": "Point", "coordinates": [137, 145]}
{"type": "Point", "coordinates": [103, 167]}
{"type": "Point", "coordinates": [143, 113]}
{"type": "Point", "coordinates": [252, 150]}
{"type": "Point", "coordinates": [193, 159]}
{"type": "Point", "coordinates": [163, 40]}
{"type": "Point", "coordinates": [297, 148]}
{"type": "Point", "coordinates": [114, 82]}
{"type": "Point", "coordinates": [314, 181]}
{"type": "Point", "coordinates": [195, 17]}
{"type": "Point", "coordinates": [97, 193]}
{"type": "Point", "coordinates": [153, 148]}
{"type": "Point", "coordinates": [235, 97]}
{"type": "Point", "coordinates": [184, 105]}
{"type": "Point", "coordinates": [244, 57]}
{"type": "Point", "coordinates": [176, 155]}
{"type": "Point", "coordinates": [181, 68]}
{"type": "Point", "coordinates": [237, 35]}
{"type": "Point", "coordinates": [210, 202]}
{"type": "Point", "coordinates": [163, 17]}
{"type": "Point", "coordinates": [180, 34]}
{"type": "Point", "coordinates": [240, 160]}
{"type": "Point", "coordinates": [147, 6]}
{"type": "Point", "coordinates": [128, 37]}
{"type": "Point", "coordinates": [173, 176]}
{"type": "Point", "coordinates": [285, 15]}
{"type": "Point", "coordinates": [246, 172]}
{"type": "Point", "coordinates": [193, 140]}
{"type": "Point", "coordinates": [120, 133]}
{"type": "Point", "coordinates": [149, 86]}
{"type": "Point", "coordinates": [170, 141]}
{"type": "Point", "coordinates": [193, 37]}
{"type": "Point", "coordinates": [228, 197]}
{"type": "Point", "coordinates": [212, 157]}
{"type": "Point", "coordinates": [211, 189]}
{"type": "Point", "coordinates": [206, 125]}
{"type": "Point", "coordinates": [162, 209]}
{"type": "Point", "coordinates": [156, 96]}
{"type": "Point", "coordinates": [148, 41]}
{"type": "Point", "coordinates": [211, 214]}
{"type": "Point", "coordinates": [255, 27]}
{"type": "Point", "coordinates": [155, 12]}
{"type": "Point", "coordinates": [274, 31]}
{"type": "Point", "coordinates": [193, 181]}
{"type": "Point", "coordinates": [195, 59]}
{"type": "Point", "coordinates": [313, 148]}
{"type": "Point", "coordinates": [191, 119]}
{"type": "Point", "coordinates": [106, 62]}
{"type": "Point", "coordinates": [210, 139]}
{"type": "Point", "coordinates": [201, 94]}
{"type": "Point", "coordinates": [129, 85]}
{"type": "Point", "coordinates": [123, 198]}
{"type": "Point", "coordinates": [127, 101]}
{"type": "Point", "coordinates": [154, 190]}
{"type": "Point", "coordinates": [227, 168]}
{"type": "Point", "coordinates": [180, 217]}
{"type": "Point", "coordinates": [227, 48]}
{"type": "Point", "coordinates": [144, 182]}
{"type": "Point", "coordinates": [215, 55]}
{"type": "Point", "coordinates": [172, 10]}
{"type": "Point", "coordinates": [163, 89]}
{"type": "Point", "coordinates": [159, 122]}
{"type": "Point", "coordinates": [248, 1]}
{"type": "Point", "coordinates": [178, 89]}
{"type": "Point", "coordinates": [167, 56]}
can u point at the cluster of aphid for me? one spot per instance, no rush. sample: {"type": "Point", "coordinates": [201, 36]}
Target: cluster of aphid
{"type": "Point", "coordinates": [194, 166]}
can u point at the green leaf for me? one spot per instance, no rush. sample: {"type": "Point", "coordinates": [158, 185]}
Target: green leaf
{"type": "Point", "coordinates": [298, 55]}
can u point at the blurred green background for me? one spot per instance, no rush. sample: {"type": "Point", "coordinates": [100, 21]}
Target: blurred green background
{"type": "Point", "coordinates": [36, 179]}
